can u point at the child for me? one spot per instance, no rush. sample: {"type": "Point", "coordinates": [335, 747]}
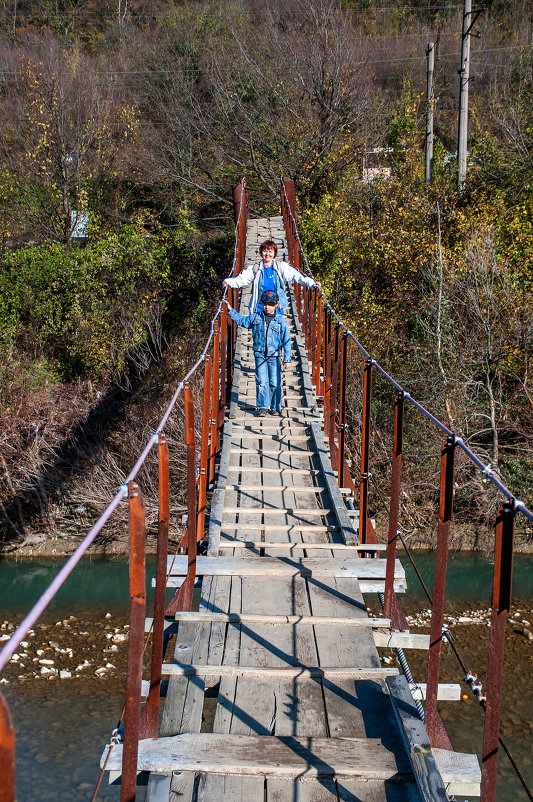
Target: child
{"type": "Point", "coordinates": [270, 334]}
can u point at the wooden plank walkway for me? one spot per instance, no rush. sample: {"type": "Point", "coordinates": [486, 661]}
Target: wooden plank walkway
{"type": "Point", "coordinates": [276, 691]}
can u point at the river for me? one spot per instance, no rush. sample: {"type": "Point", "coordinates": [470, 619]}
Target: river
{"type": "Point", "coordinates": [62, 725]}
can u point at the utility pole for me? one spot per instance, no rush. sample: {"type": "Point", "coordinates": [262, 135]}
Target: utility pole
{"type": "Point", "coordinates": [429, 110]}
{"type": "Point", "coordinates": [464, 77]}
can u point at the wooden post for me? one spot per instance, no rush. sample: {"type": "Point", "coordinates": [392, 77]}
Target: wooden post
{"type": "Point", "coordinates": [214, 405]}
{"type": "Point", "coordinates": [430, 100]}
{"type": "Point", "coordinates": [341, 475]}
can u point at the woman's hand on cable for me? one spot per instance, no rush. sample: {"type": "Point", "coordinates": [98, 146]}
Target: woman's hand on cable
{"type": "Point", "coordinates": [228, 305]}
{"type": "Point", "coordinates": [225, 283]}
{"type": "Point", "coordinates": [286, 365]}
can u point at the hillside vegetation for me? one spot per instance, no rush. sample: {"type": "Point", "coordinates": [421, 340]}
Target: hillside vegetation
{"type": "Point", "coordinates": [143, 115]}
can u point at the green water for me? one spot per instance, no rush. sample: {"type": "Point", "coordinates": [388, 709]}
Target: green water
{"type": "Point", "coordinates": [99, 583]}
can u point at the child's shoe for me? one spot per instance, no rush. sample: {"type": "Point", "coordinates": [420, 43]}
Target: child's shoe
{"type": "Point", "coordinates": [262, 412]}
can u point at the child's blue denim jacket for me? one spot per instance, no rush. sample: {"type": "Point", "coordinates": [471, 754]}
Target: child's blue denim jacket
{"type": "Point", "coordinates": [277, 337]}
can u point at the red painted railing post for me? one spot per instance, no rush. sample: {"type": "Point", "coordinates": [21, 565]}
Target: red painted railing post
{"type": "Point", "coordinates": [327, 372]}
{"type": "Point", "coordinates": [7, 754]}
{"type": "Point", "coordinates": [341, 470]}
{"type": "Point", "coordinates": [204, 449]}
{"type": "Point", "coordinates": [365, 451]}
{"type": "Point", "coordinates": [318, 353]}
{"type": "Point", "coordinates": [132, 714]}
{"type": "Point", "coordinates": [501, 603]}
{"type": "Point", "coordinates": [150, 712]}
{"type": "Point", "coordinates": [214, 404]}
{"type": "Point", "coordinates": [223, 366]}
{"type": "Point", "coordinates": [312, 351]}
{"type": "Point", "coordinates": [394, 509]}
{"type": "Point", "coordinates": [435, 729]}
{"type": "Point", "coordinates": [333, 450]}
{"type": "Point", "coordinates": [182, 599]}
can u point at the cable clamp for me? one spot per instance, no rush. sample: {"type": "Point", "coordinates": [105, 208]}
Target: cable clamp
{"type": "Point", "coordinates": [459, 441]}
{"type": "Point", "coordinates": [518, 504]}
{"type": "Point", "coordinates": [117, 735]}
{"type": "Point", "coordinates": [469, 678]}
{"type": "Point", "coordinates": [124, 488]}
{"type": "Point", "coordinates": [155, 437]}
{"type": "Point", "coordinates": [406, 394]}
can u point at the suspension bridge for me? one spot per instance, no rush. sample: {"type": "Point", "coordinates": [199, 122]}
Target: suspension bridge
{"type": "Point", "coordinates": [271, 685]}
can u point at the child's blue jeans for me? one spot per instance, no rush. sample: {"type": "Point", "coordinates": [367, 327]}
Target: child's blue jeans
{"type": "Point", "coordinates": [268, 381]}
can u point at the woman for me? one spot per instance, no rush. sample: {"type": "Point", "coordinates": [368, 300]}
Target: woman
{"type": "Point", "coordinates": [269, 275]}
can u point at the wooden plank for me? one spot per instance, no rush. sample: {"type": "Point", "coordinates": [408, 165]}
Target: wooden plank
{"type": "Point", "coordinates": [277, 672]}
{"type": "Point", "coordinates": [401, 640]}
{"type": "Point", "coordinates": [281, 488]}
{"type": "Point", "coordinates": [338, 547]}
{"type": "Point", "coordinates": [282, 471]}
{"type": "Point", "coordinates": [270, 756]}
{"type": "Point", "coordinates": [291, 527]}
{"type": "Point", "coordinates": [416, 741]}
{"type": "Point", "coordinates": [303, 620]}
{"type": "Point", "coordinates": [365, 585]}
{"type": "Point", "coordinates": [318, 511]}
{"type": "Point", "coordinates": [460, 772]}
{"type": "Point", "coordinates": [447, 692]}
{"type": "Point", "coordinates": [280, 452]}
{"type": "Point", "coordinates": [341, 567]}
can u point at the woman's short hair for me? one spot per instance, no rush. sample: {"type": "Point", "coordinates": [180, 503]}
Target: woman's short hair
{"type": "Point", "coordinates": [268, 243]}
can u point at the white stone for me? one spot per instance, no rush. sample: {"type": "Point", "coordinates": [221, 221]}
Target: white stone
{"type": "Point", "coordinates": [464, 619]}
{"type": "Point", "coordinates": [3, 638]}
{"type": "Point", "coordinates": [4, 681]}
{"type": "Point", "coordinates": [39, 652]}
{"type": "Point", "coordinates": [108, 615]}
{"type": "Point", "coordinates": [15, 658]}
{"type": "Point", "coordinates": [45, 670]}
{"type": "Point", "coordinates": [100, 671]}
{"type": "Point", "coordinates": [24, 644]}
{"type": "Point", "coordinates": [65, 674]}
{"type": "Point", "coordinates": [119, 638]}
{"type": "Point", "coordinates": [109, 665]}
{"type": "Point", "coordinates": [46, 662]}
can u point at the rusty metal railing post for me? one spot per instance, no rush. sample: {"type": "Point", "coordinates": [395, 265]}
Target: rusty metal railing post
{"type": "Point", "coordinates": [318, 347]}
{"type": "Point", "coordinates": [132, 714]}
{"type": "Point", "coordinates": [501, 603]}
{"type": "Point", "coordinates": [182, 600]}
{"type": "Point", "coordinates": [7, 754]}
{"type": "Point", "coordinates": [223, 366]}
{"type": "Point", "coordinates": [365, 451]}
{"type": "Point", "coordinates": [150, 713]}
{"type": "Point", "coordinates": [435, 729]}
{"type": "Point", "coordinates": [214, 405]}
{"type": "Point", "coordinates": [204, 449]}
{"type": "Point", "coordinates": [327, 373]}
{"type": "Point", "coordinates": [333, 450]}
{"type": "Point", "coordinates": [341, 470]}
{"type": "Point", "coordinates": [394, 509]}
